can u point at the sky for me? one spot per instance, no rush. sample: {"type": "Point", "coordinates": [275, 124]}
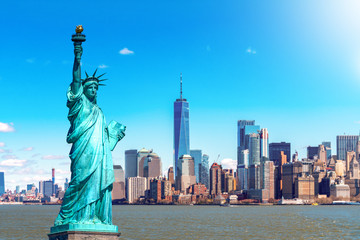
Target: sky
{"type": "Point", "coordinates": [292, 66]}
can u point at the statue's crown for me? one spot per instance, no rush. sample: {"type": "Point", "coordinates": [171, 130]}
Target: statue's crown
{"type": "Point", "coordinates": [93, 79]}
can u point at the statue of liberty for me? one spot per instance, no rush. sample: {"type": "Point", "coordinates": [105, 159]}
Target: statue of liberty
{"type": "Point", "coordinates": [88, 201]}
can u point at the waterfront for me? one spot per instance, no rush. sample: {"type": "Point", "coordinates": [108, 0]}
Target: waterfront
{"type": "Point", "coordinates": [199, 222]}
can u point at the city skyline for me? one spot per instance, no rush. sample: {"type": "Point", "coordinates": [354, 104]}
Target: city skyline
{"type": "Point", "coordinates": [289, 66]}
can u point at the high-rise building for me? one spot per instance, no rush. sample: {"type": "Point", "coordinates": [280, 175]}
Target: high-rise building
{"type": "Point", "coordinates": [197, 156]}
{"type": "Point", "coordinates": [264, 143]}
{"type": "Point", "coordinates": [29, 186]}
{"type": "Point", "coordinates": [186, 175]}
{"type": "Point", "coordinates": [2, 183]}
{"type": "Point", "coordinates": [322, 154]}
{"type": "Point", "coordinates": [243, 168]}
{"type": "Point", "coordinates": [17, 189]}
{"type": "Point", "coordinates": [152, 166]}
{"type": "Point", "coordinates": [118, 191]}
{"type": "Point", "coordinates": [254, 176]}
{"type": "Point", "coordinates": [254, 148]}
{"type": "Point", "coordinates": [267, 178]}
{"type": "Point", "coordinates": [349, 157]}
{"type": "Point", "coordinates": [312, 152]}
{"type": "Point", "coordinates": [41, 187]}
{"type": "Point", "coordinates": [181, 130]}
{"type": "Point", "coordinates": [327, 146]}
{"type": "Point", "coordinates": [244, 127]}
{"type": "Point", "coordinates": [142, 161]}
{"type": "Point", "coordinates": [204, 171]}
{"type": "Point", "coordinates": [130, 163]}
{"type": "Point", "coordinates": [290, 171]}
{"type": "Point", "coordinates": [66, 184]}
{"type": "Point", "coordinates": [228, 180]}
{"type": "Point", "coordinates": [171, 175]}
{"type": "Point", "coordinates": [276, 148]}
{"type": "Point", "coordinates": [48, 188]}
{"type": "Point", "coordinates": [53, 181]}
{"type": "Point", "coordinates": [215, 179]}
{"type": "Point", "coordinates": [135, 189]}
{"type": "Point", "coordinates": [344, 144]}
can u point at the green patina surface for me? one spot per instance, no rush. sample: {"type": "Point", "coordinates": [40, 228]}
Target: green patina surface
{"type": "Point", "coordinates": [87, 202]}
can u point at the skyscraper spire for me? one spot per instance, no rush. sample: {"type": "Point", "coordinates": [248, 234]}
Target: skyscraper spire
{"type": "Point", "coordinates": [181, 86]}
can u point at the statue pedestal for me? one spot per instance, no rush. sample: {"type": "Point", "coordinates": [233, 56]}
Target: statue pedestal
{"type": "Point", "coordinates": [84, 235]}
{"type": "Point", "coordinates": [84, 232]}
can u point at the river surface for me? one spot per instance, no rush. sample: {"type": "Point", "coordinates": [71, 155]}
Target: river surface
{"type": "Point", "coordinates": [199, 222]}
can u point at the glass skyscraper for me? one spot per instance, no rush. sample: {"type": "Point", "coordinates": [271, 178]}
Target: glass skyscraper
{"type": "Point", "coordinates": [254, 149]}
{"type": "Point", "coordinates": [2, 183]}
{"type": "Point", "coordinates": [197, 156]}
{"type": "Point", "coordinates": [181, 130]}
{"type": "Point", "coordinates": [327, 146]}
{"type": "Point", "coordinates": [344, 144]}
{"type": "Point", "coordinates": [276, 148]}
{"type": "Point", "coordinates": [204, 171]}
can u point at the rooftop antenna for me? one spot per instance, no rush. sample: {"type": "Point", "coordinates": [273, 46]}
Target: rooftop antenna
{"type": "Point", "coordinates": [181, 86]}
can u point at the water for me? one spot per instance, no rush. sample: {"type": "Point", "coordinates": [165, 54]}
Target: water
{"type": "Point", "coordinates": [199, 222]}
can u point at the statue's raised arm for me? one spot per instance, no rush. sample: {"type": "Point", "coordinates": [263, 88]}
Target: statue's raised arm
{"type": "Point", "coordinates": [78, 39]}
{"type": "Point", "coordinates": [76, 83]}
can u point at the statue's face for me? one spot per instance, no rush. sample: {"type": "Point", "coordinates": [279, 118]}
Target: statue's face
{"type": "Point", "coordinates": [90, 91]}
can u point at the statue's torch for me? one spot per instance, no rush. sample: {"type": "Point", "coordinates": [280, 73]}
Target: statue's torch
{"type": "Point", "coordinates": [78, 38]}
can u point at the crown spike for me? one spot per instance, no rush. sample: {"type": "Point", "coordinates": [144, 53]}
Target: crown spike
{"type": "Point", "coordinates": [95, 72]}
{"type": "Point", "coordinates": [87, 75]}
{"type": "Point", "coordinates": [101, 75]}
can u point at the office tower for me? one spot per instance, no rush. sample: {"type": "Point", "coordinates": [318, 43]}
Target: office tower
{"type": "Point", "coordinates": [276, 148]}
{"type": "Point", "coordinates": [344, 144]}
{"type": "Point", "coordinates": [48, 188]}
{"type": "Point", "coordinates": [254, 176]}
{"type": "Point", "coordinates": [215, 179]}
{"type": "Point", "coordinates": [17, 189]}
{"type": "Point", "coordinates": [118, 191]}
{"type": "Point", "coordinates": [254, 148]}
{"type": "Point", "coordinates": [2, 183]}
{"type": "Point", "coordinates": [181, 130]}
{"type": "Point", "coordinates": [305, 187]}
{"type": "Point", "coordinates": [228, 180]}
{"type": "Point", "coordinates": [135, 188]}
{"type": "Point", "coordinates": [152, 166]}
{"type": "Point", "coordinates": [243, 169]}
{"type": "Point", "coordinates": [340, 168]}
{"type": "Point", "coordinates": [327, 148]}
{"type": "Point", "coordinates": [322, 154]}
{"type": "Point", "coordinates": [41, 187]}
{"type": "Point", "coordinates": [53, 181]}
{"type": "Point", "coordinates": [186, 175]}
{"type": "Point", "coordinates": [264, 143]}
{"type": "Point", "coordinates": [290, 171]}
{"type": "Point", "coordinates": [204, 171]}
{"type": "Point", "coordinates": [197, 156]}
{"type": "Point", "coordinates": [171, 175]}
{"type": "Point", "coordinates": [349, 157]}
{"type": "Point", "coordinates": [29, 186]}
{"type": "Point", "coordinates": [66, 184]}
{"type": "Point", "coordinates": [312, 152]}
{"type": "Point", "coordinates": [130, 163]}
{"type": "Point", "coordinates": [141, 161]}
{"type": "Point", "coordinates": [267, 178]}
{"type": "Point", "coordinates": [241, 135]}
{"type": "Point", "coordinates": [160, 189]}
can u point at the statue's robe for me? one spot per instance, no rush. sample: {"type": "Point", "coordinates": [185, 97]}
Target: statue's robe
{"type": "Point", "coordinates": [88, 198]}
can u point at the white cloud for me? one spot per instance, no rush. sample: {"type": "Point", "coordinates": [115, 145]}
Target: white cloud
{"type": "Point", "coordinates": [13, 163]}
{"type": "Point", "coordinates": [5, 150]}
{"type": "Point", "coordinates": [53, 157]}
{"type": "Point", "coordinates": [227, 163]}
{"type": "Point", "coordinates": [103, 66]}
{"type": "Point", "coordinates": [249, 50]}
{"type": "Point", "coordinates": [6, 127]}
{"type": "Point", "coordinates": [30, 60]}
{"type": "Point", "coordinates": [126, 51]}
{"type": "Point", "coordinates": [2, 144]}
{"type": "Point", "coordinates": [9, 157]}
{"type": "Point", "coordinates": [27, 149]}
{"type": "Point", "coordinates": [60, 171]}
